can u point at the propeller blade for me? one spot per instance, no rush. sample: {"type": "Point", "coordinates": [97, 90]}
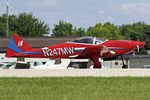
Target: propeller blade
{"type": "Point", "coordinates": [138, 48]}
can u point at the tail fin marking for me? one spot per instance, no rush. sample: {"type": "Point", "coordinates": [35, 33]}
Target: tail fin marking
{"type": "Point", "coordinates": [13, 46]}
{"type": "Point", "coordinates": [18, 47]}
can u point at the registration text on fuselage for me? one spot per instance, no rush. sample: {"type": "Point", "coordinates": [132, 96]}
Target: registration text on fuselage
{"type": "Point", "coordinates": [58, 51]}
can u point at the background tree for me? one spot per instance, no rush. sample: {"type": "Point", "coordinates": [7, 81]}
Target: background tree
{"type": "Point", "coordinates": [78, 31]}
{"type": "Point", "coordinates": [25, 24]}
{"type": "Point", "coordinates": [67, 29]}
{"type": "Point", "coordinates": [137, 31]}
{"type": "Point", "coordinates": [107, 31]}
{"type": "Point", "coordinates": [146, 36]}
{"type": "Point", "coordinates": [3, 25]}
{"type": "Point", "coordinates": [126, 31]}
{"type": "Point", "coordinates": [62, 29]}
{"type": "Point", "coordinates": [28, 25]}
{"type": "Point", "coordinates": [133, 31]}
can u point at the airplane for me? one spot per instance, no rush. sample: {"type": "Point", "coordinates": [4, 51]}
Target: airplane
{"type": "Point", "coordinates": [83, 48]}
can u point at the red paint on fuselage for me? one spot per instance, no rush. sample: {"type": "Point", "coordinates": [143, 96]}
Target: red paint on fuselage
{"type": "Point", "coordinates": [120, 47]}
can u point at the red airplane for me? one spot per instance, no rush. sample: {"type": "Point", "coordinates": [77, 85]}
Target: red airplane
{"type": "Point", "coordinates": [83, 48]}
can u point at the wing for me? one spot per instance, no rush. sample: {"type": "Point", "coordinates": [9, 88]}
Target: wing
{"type": "Point", "coordinates": [99, 50]}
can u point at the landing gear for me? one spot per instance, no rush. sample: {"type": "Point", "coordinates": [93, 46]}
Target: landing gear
{"type": "Point", "coordinates": [124, 65]}
{"type": "Point", "coordinates": [97, 64]}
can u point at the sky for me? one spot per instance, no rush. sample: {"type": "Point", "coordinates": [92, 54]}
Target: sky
{"type": "Point", "coordinates": [82, 13]}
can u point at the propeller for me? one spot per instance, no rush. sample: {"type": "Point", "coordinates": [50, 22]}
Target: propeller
{"type": "Point", "coordinates": [138, 48]}
{"type": "Point", "coordinates": [138, 51]}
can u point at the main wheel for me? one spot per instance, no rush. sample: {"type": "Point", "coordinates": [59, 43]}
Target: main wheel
{"type": "Point", "coordinates": [124, 66]}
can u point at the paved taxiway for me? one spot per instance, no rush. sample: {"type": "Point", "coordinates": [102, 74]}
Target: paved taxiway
{"type": "Point", "coordinates": [74, 72]}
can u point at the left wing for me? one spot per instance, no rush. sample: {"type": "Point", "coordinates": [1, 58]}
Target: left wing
{"type": "Point", "coordinates": [99, 50]}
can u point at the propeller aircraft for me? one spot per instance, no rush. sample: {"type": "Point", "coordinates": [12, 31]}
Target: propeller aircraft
{"type": "Point", "coordinates": [83, 48]}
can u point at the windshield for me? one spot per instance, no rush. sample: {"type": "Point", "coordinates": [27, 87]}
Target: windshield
{"type": "Point", "coordinates": [89, 40]}
{"type": "Point", "coordinates": [99, 40]}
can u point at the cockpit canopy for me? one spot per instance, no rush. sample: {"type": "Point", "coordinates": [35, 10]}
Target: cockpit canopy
{"type": "Point", "coordinates": [89, 40]}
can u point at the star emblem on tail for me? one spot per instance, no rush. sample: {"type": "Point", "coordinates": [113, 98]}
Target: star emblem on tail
{"type": "Point", "coordinates": [20, 43]}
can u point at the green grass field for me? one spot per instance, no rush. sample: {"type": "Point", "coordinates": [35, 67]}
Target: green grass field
{"type": "Point", "coordinates": [73, 88]}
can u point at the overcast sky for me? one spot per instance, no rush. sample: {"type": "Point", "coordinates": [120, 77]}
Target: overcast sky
{"type": "Point", "coordinates": [83, 13]}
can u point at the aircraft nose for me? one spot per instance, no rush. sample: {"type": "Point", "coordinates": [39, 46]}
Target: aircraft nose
{"type": "Point", "coordinates": [135, 44]}
{"type": "Point", "coordinates": [141, 44]}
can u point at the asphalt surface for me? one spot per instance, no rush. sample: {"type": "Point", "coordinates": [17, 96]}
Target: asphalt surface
{"type": "Point", "coordinates": [74, 72]}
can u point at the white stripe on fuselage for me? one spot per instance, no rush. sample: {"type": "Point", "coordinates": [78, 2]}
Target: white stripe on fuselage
{"type": "Point", "coordinates": [80, 43]}
{"type": "Point", "coordinates": [81, 48]}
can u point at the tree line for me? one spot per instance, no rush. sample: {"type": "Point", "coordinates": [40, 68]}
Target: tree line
{"type": "Point", "coordinates": [25, 24]}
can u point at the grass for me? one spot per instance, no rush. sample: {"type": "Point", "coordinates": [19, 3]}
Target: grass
{"type": "Point", "coordinates": [75, 88]}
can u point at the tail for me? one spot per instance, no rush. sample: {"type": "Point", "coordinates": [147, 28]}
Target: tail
{"type": "Point", "coordinates": [17, 47]}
